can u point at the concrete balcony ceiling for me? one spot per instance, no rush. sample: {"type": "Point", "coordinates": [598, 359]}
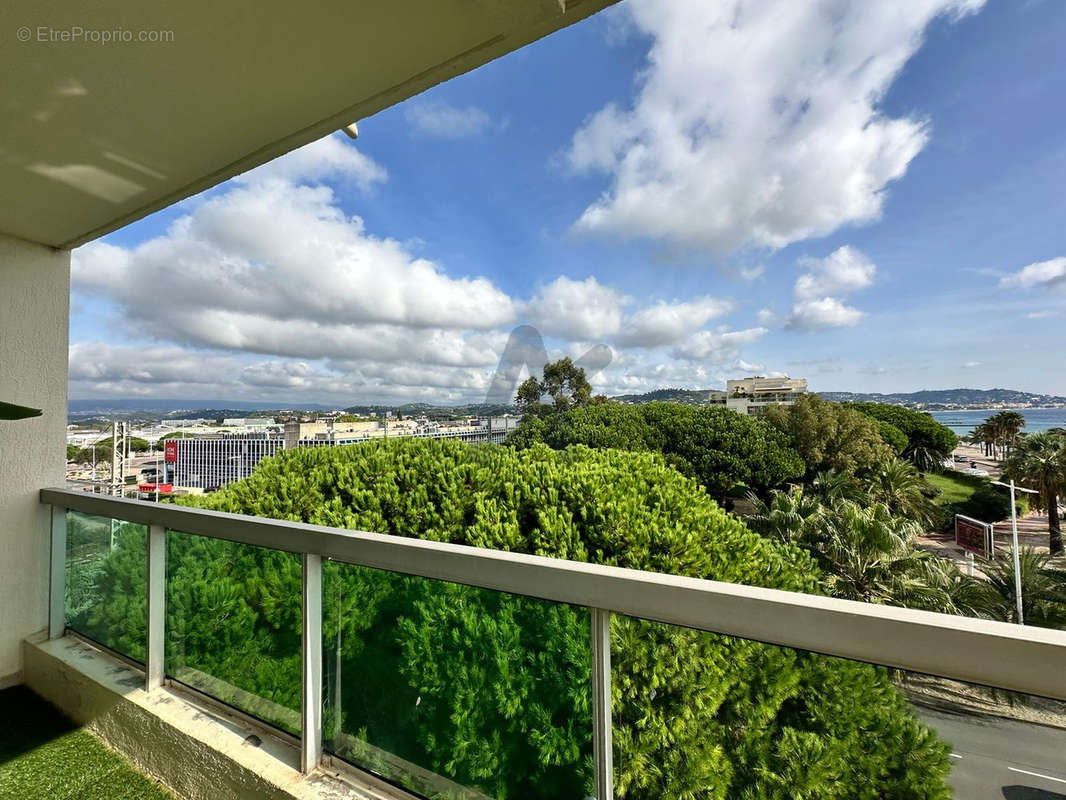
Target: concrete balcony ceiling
{"type": "Point", "coordinates": [95, 134]}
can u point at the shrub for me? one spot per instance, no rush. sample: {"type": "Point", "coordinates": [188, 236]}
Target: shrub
{"type": "Point", "coordinates": [987, 504]}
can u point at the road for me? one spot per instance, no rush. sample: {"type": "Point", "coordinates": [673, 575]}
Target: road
{"type": "Point", "coordinates": [995, 759]}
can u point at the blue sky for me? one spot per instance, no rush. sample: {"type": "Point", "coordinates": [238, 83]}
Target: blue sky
{"type": "Point", "coordinates": [868, 195]}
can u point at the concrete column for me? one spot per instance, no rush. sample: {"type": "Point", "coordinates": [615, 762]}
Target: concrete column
{"type": "Point", "coordinates": [34, 320]}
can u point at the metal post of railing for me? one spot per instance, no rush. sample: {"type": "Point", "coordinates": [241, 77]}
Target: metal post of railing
{"type": "Point", "coordinates": [57, 586]}
{"type": "Point", "coordinates": [156, 579]}
{"type": "Point", "coordinates": [311, 712]}
{"type": "Point", "coordinates": [601, 704]}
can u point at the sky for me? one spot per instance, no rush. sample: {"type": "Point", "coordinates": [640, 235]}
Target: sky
{"type": "Point", "coordinates": [865, 194]}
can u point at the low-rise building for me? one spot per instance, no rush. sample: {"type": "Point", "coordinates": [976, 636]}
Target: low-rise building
{"type": "Point", "coordinates": [752, 395]}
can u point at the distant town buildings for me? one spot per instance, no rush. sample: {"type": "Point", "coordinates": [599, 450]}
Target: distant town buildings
{"type": "Point", "coordinates": [752, 395]}
{"type": "Point", "coordinates": [211, 462]}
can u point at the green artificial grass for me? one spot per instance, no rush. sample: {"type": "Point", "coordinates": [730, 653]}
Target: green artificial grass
{"type": "Point", "coordinates": [955, 487]}
{"type": "Point", "coordinates": [45, 755]}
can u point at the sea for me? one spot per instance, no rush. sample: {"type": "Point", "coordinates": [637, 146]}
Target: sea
{"type": "Point", "coordinates": [1036, 419]}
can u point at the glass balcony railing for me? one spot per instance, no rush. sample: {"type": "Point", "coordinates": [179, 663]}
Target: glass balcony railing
{"type": "Point", "coordinates": [453, 691]}
{"type": "Point", "coordinates": [455, 672]}
{"type": "Point", "coordinates": [106, 589]}
{"type": "Point", "coordinates": [233, 621]}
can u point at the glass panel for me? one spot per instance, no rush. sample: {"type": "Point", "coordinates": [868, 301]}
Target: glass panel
{"type": "Point", "coordinates": [233, 625]}
{"type": "Point", "coordinates": [456, 692]}
{"type": "Point", "coordinates": [708, 716]}
{"type": "Point", "coordinates": [106, 597]}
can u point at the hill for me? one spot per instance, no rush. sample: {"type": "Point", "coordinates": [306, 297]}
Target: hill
{"type": "Point", "coordinates": [945, 399]}
{"type": "Point", "coordinates": [689, 397]}
{"type": "Point", "coordinates": [927, 399]}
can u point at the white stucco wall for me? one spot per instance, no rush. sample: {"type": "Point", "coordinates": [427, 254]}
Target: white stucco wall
{"type": "Point", "coordinates": [34, 319]}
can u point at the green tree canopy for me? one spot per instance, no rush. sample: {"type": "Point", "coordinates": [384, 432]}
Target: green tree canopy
{"type": "Point", "coordinates": [491, 690]}
{"type": "Point", "coordinates": [830, 436]}
{"type": "Point", "coordinates": [718, 447]}
{"type": "Point", "coordinates": [892, 436]}
{"type": "Point", "coordinates": [563, 381]}
{"type": "Point", "coordinates": [137, 445]}
{"type": "Point", "coordinates": [928, 442]}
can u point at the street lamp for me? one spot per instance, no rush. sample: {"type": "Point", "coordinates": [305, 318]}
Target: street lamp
{"type": "Point", "coordinates": [1014, 541]}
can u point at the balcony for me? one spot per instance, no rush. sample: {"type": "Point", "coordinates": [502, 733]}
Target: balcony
{"type": "Point", "coordinates": [356, 717]}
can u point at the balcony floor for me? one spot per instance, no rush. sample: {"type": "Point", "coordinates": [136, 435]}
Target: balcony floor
{"type": "Point", "coordinates": [45, 755]}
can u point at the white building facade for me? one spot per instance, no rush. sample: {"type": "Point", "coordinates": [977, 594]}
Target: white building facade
{"type": "Point", "coordinates": [751, 396]}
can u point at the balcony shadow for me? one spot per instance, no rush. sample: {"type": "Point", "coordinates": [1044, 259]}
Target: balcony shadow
{"type": "Point", "coordinates": [1029, 793]}
{"type": "Point", "coordinates": [44, 754]}
{"type": "Point", "coordinates": [32, 723]}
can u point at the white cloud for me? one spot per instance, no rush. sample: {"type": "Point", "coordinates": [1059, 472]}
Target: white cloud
{"type": "Point", "coordinates": [971, 364]}
{"type": "Point", "coordinates": [446, 121]}
{"type": "Point", "coordinates": [281, 262]}
{"type": "Point", "coordinates": [107, 370]}
{"type": "Point", "coordinates": [717, 347]}
{"type": "Point", "coordinates": [756, 124]}
{"type": "Point", "coordinates": [1039, 314]}
{"type": "Point", "coordinates": [827, 312]}
{"type": "Point", "coordinates": [330, 158]}
{"type": "Point", "coordinates": [844, 270]}
{"type": "Point", "coordinates": [1044, 274]}
{"type": "Point", "coordinates": [96, 362]}
{"type": "Point", "coordinates": [570, 309]}
{"type": "Point", "coordinates": [667, 323]}
{"type": "Point", "coordinates": [751, 273]}
{"type": "Point", "coordinates": [268, 289]}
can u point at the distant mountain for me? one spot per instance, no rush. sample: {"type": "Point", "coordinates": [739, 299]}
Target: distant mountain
{"type": "Point", "coordinates": [689, 397]}
{"type": "Point", "coordinates": [928, 399]}
{"type": "Point", "coordinates": [164, 406]}
{"type": "Point", "coordinates": [435, 412]}
{"type": "Point", "coordinates": [945, 399]}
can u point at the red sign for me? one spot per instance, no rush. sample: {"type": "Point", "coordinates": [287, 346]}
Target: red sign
{"type": "Point", "coordinates": [162, 488]}
{"type": "Point", "coordinates": [170, 451]}
{"type": "Point", "coordinates": [972, 535]}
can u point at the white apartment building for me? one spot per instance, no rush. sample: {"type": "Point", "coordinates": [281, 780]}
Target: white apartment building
{"type": "Point", "coordinates": [752, 395]}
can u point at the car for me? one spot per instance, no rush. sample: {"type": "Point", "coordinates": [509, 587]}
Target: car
{"type": "Point", "coordinates": [977, 471]}
{"type": "Point", "coordinates": [961, 459]}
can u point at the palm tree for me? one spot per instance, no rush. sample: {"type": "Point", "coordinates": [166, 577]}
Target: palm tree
{"type": "Point", "coordinates": [898, 485]}
{"type": "Point", "coordinates": [831, 485]}
{"type": "Point", "coordinates": [866, 552]}
{"type": "Point", "coordinates": [985, 435]}
{"type": "Point", "coordinates": [1043, 591]}
{"type": "Point", "coordinates": [1039, 462]}
{"type": "Point", "coordinates": [1005, 428]}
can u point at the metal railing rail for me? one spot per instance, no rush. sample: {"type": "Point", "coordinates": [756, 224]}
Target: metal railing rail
{"type": "Point", "coordinates": [1023, 659]}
